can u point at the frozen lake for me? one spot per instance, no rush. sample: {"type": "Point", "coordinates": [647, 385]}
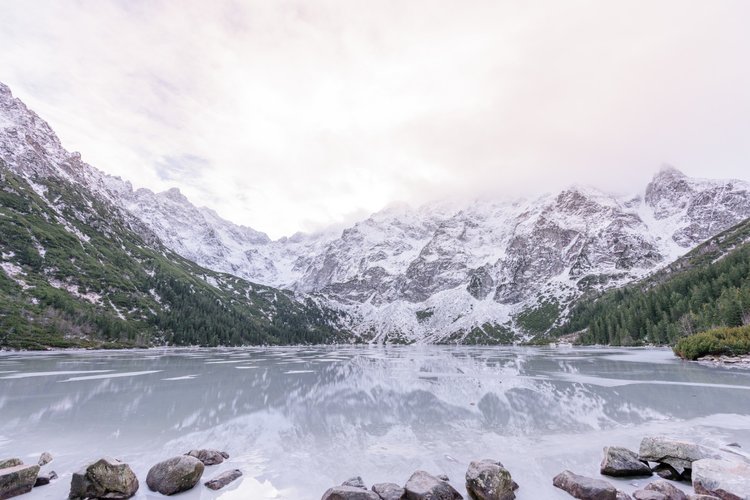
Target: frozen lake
{"type": "Point", "coordinates": [299, 420]}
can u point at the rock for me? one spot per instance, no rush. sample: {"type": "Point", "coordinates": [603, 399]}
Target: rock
{"type": "Point", "coordinates": [722, 478]}
{"type": "Point", "coordinates": [489, 480]}
{"type": "Point", "coordinates": [10, 462]}
{"type": "Point", "coordinates": [702, 497]}
{"type": "Point", "coordinates": [45, 458]}
{"type": "Point", "coordinates": [621, 495]}
{"type": "Point", "coordinates": [105, 478]}
{"type": "Point", "coordinates": [443, 477]}
{"type": "Point", "coordinates": [389, 491]}
{"type": "Point", "coordinates": [175, 474]}
{"type": "Point", "coordinates": [209, 457]}
{"type": "Point", "coordinates": [649, 495]}
{"type": "Point", "coordinates": [621, 462]}
{"type": "Point", "coordinates": [669, 490]}
{"type": "Point", "coordinates": [17, 479]}
{"type": "Point", "coordinates": [355, 482]}
{"type": "Point", "coordinates": [43, 479]}
{"type": "Point", "coordinates": [223, 479]}
{"type": "Point", "coordinates": [349, 493]}
{"type": "Point", "coordinates": [678, 454]}
{"type": "Point", "coordinates": [424, 486]}
{"type": "Point", "coordinates": [666, 471]}
{"type": "Point", "coordinates": [585, 488]}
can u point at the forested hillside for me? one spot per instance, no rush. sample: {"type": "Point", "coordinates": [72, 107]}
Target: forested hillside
{"type": "Point", "coordinates": [709, 287]}
{"type": "Point", "coordinates": [76, 272]}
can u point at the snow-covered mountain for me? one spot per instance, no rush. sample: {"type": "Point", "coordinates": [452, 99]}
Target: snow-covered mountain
{"type": "Point", "coordinates": [480, 271]}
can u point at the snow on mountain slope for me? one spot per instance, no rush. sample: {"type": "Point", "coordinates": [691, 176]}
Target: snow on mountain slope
{"type": "Point", "coordinates": [444, 271]}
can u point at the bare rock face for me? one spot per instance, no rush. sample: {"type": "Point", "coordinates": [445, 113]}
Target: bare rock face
{"type": "Point", "coordinates": [105, 478]}
{"type": "Point", "coordinates": [489, 480]}
{"type": "Point", "coordinates": [209, 457]}
{"type": "Point", "coordinates": [175, 475]}
{"type": "Point", "coordinates": [17, 479]}
{"type": "Point", "coordinates": [223, 479]}
{"type": "Point", "coordinates": [424, 486]}
{"type": "Point", "coordinates": [389, 491]}
{"type": "Point", "coordinates": [621, 462]}
{"type": "Point", "coordinates": [724, 479]}
{"type": "Point", "coordinates": [585, 488]}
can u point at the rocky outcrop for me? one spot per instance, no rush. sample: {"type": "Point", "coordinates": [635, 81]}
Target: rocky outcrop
{"type": "Point", "coordinates": [349, 493]}
{"type": "Point", "coordinates": [209, 457]}
{"type": "Point", "coordinates": [389, 491]}
{"type": "Point", "coordinates": [105, 478]}
{"type": "Point", "coordinates": [489, 480]}
{"type": "Point", "coordinates": [724, 479]}
{"type": "Point", "coordinates": [676, 453]}
{"type": "Point", "coordinates": [175, 475]}
{"type": "Point", "coordinates": [17, 479]}
{"type": "Point", "coordinates": [223, 479]}
{"type": "Point", "coordinates": [585, 488]}
{"type": "Point", "coordinates": [424, 486]}
{"type": "Point", "coordinates": [621, 462]}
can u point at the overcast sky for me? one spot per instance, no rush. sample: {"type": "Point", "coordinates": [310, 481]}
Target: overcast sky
{"type": "Point", "coordinates": [287, 116]}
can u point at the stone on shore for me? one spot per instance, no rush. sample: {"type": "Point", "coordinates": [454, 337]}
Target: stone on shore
{"type": "Point", "coordinates": [175, 475]}
{"type": "Point", "coordinates": [44, 479]}
{"type": "Point", "coordinates": [223, 479]}
{"type": "Point", "coordinates": [649, 495]}
{"type": "Point", "coordinates": [621, 462]}
{"type": "Point", "coordinates": [678, 454]}
{"type": "Point", "coordinates": [585, 488]}
{"type": "Point", "coordinates": [722, 478]}
{"type": "Point", "coordinates": [424, 486]}
{"type": "Point", "coordinates": [105, 478]}
{"type": "Point", "coordinates": [389, 491]}
{"type": "Point", "coordinates": [667, 489]}
{"type": "Point", "coordinates": [10, 462]}
{"type": "Point", "coordinates": [45, 458]}
{"type": "Point", "coordinates": [349, 493]}
{"type": "Point", "coordinates": [355, 482]}
{"type": "Point", "coordinates": [489, 480]}
{"type": "Point", "coordinates": [17, 480]}
{"type": "Point", "coordinates": [209, 457]}
{"type": "Point", "coordinates": [666, 471]}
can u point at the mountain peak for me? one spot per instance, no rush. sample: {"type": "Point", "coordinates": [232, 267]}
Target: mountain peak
{"type": "Point", "coordinates": [669, 171]}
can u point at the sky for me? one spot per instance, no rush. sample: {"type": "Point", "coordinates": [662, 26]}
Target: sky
{"type": "Point", "coordinates": [294, 115]}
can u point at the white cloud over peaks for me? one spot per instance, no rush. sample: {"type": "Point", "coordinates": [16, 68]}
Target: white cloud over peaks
{"type": "Point", "coordinates": [289, 116]}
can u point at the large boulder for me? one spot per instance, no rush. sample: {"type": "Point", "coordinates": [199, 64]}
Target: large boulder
{"type": "Point", "coordinates": [489, 480]}
{"type": "Point", "coordinates": [356, 482]}
{"type": "Point", "coordinates": [585, 488]}
{"type": "Point", "coordinates": [678, 454]}
{"type": "Point", "coordinates": [424, 486]}
{"type": "Point", "coordinates": [349, 493]}
{"type": "Point", "coordinates": [105, 478]}
{"type": "Point", "coordinates": [17, 479]}
{"type": "Point", "coordinates": [175, 475]}
{"type": "Point", "coordinates": [389, 491]}
{"type": "Point", "coordinates": [667, 489]}
{"type": "Point", "coordinates": [223, 479]}
{"type": "Point", "coordinates": [621, 462]}
{"type": "Point", "coordinates": [649, 495]}
{"type": "Point", "coordinates": [209, 457]}
{"type": "Point", "coordinates": [722, 478]}
{"type": "Point", "coordinates": [10, 462]}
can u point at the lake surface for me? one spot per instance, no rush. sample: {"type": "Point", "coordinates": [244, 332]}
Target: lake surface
{"type": "Point", "coordinates": [298, 420]}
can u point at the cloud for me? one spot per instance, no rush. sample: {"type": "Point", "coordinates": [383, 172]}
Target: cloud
{"type": "Point", "coordinates": [293, 115]}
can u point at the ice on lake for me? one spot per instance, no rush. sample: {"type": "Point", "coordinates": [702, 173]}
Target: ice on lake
{"type": "Point", "coordinates": [299, 420]}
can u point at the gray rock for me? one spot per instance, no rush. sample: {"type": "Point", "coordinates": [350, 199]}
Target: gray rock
{"type": "Point", "coordinates": [489, 480]}
{"type": "Point", "coordinates": [17, 480]}
{"type": "Point", "coordinates": [666, 471]}
{"type": "Point", "coordinates": [389, 491]}
{"type": "Point", "coordinates": [10, 462]}
{"type": "Point", "coordinates": [667, 489]}
{"type": "Point", "coordinates": [349, 493]}
{"type": "Point", "coordinates": [585, 488]}
{"type": "Point", "coordinates": [678, 454]}
{"type": "Point", "coordinates": [722, 478]}
{"type": "Point", "coordinates": [424, 486]}
{"type": "Point", "coordinates": [45, 458]}
{"type": "Point", "coordinates": [44, 479]}
{"type": "Point", "coordinates": [702, 497]}
{"type": "Point", "coordinates": [175, 475]}
{"type": "Point", "coordinates": [355, 482]}
{"type": "Point", "coordinates": [621, 462]}
{"type": "Point", "coordinates": [223, 479]}
{"type": "Point", "coordinates": [443, 477]}
{"type": "Point", "coordinates": [621, 495]}
{"type": "Point", "coordinates": [105, 478]}
{"type": "Point", "coordinates": [209, 457]}
{"type": "Point", "coordinates": [649, 495]}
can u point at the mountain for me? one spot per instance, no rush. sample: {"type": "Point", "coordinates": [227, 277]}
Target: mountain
{"type": "Point", "coordinates": [80, 270]}
{"type": "Point", "coordinates": [485, 271]}
{"type": "Point", "coordinates": [708, 287]}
